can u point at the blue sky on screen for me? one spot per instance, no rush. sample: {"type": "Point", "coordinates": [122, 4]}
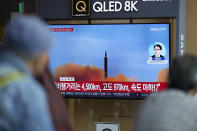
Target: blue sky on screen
{"type": "Point", "coordinates": [127, 47]}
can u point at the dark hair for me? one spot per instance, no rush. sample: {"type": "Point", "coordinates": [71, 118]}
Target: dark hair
{"type": "Point", "coordinates": [158, 46]}
{"type": "Point", "coordinates": [183, 73]}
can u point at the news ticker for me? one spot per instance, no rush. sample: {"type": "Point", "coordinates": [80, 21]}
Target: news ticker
{"type": "Point", "coordinates": [113, 87]}
{"type": "Point", "coordinates": [105, 95]}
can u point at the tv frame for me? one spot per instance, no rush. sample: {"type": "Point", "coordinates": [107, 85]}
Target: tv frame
{"type": "Point", "coordinates": [126, 98]}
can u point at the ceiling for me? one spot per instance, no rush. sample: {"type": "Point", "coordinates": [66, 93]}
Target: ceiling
{"type": "Point", "coordinates": [8, 6]}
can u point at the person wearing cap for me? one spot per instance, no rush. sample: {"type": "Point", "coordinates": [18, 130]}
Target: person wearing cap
{"type": "Point", "coordinates": [175, 108]}
{"type": "Point", "coordinates": [23, 100]}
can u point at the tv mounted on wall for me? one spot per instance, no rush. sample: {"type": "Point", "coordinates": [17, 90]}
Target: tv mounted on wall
{"type": "Point", "coordinates": [110, 60]}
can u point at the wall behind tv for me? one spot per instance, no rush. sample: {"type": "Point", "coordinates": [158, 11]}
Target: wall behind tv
{"type": "Point", "coordinates": [191, 27]}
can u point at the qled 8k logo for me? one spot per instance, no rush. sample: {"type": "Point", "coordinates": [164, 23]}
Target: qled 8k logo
{"type": "Point", "coordinates": [115, 6]}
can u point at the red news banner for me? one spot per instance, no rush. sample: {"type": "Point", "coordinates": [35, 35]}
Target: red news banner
{"type": "Point", "coordinates": [61, 29]}
{"type": "Point", "coordinates": [116, 87]}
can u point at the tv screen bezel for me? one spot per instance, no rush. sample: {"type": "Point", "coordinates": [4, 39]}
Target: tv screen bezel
{"type": "Point", "coordinates": [111, 97]}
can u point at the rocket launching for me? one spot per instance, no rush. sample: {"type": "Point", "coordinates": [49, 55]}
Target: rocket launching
{"type": "Point", "coordinates": [105, 65]}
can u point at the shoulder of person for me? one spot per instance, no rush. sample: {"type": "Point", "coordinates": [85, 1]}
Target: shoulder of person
{"type": "Point", "coordinates": [21, 96]}
{"type": "Point", "coordinates": [18, 84]}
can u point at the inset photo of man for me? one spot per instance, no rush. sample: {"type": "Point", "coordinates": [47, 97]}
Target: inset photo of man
{"type": "Point", "coordinates": [157, 53]}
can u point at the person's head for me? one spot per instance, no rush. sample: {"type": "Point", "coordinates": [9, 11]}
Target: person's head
{"type": "Point", "coordinates": [29, 38]}
{"type": "Point", "coordinates": [183, 74]}
{"type": "Point", "coordinates": [157, 49]}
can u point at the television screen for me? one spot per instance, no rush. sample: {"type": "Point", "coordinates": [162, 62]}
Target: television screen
{"type": "Point", "coordinates": [111, 60]}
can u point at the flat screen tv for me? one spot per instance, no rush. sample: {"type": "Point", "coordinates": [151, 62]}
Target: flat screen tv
{"type": "Point", "coordinates": [110, 60]}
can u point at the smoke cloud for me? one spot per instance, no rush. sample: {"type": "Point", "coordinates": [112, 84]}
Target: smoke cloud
{"type": "Point", "coordinates": [86, 73]}
{"type": "Point", "coordinates": [163, 75]}
{"type": "Point", "coordinates": [79, 72]}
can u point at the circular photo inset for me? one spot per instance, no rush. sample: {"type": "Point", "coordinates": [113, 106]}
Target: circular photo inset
{"type": "Point", "coordinates": [156, 49]}
{"type": "Point", "coordinates": [157, 52]}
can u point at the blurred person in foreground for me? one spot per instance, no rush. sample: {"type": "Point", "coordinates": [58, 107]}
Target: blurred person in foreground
{"type": "Point", "coordinates": [56, 102]}
{"type": "Point", "coordinates": [23, 101]}
{"type": "Point", "coordinates": [175, 108]}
